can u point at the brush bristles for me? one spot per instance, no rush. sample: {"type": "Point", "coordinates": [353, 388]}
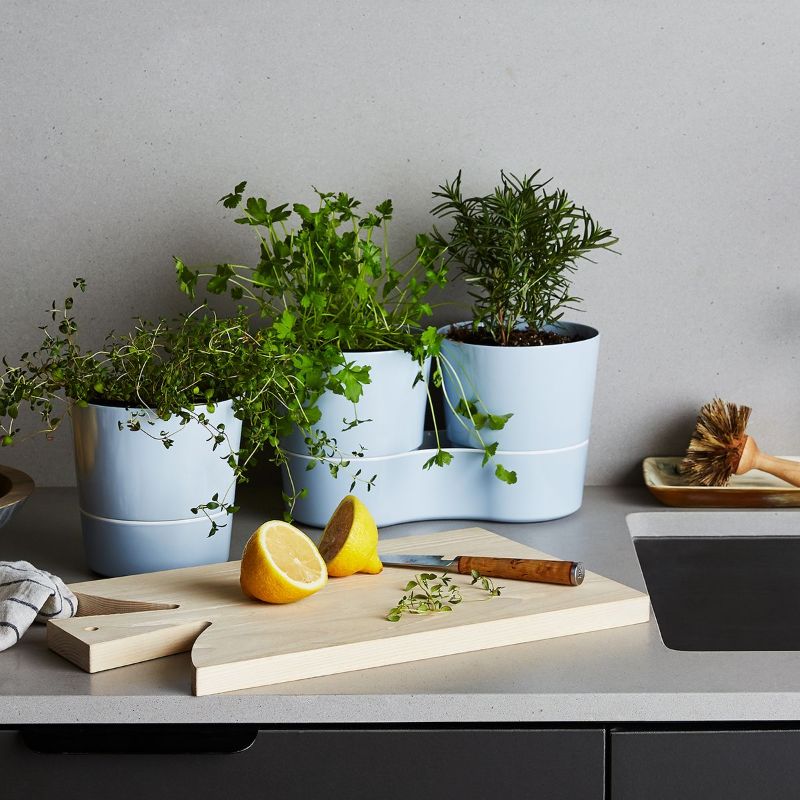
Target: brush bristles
{"type": "Point", "coordinates": [717, 443]}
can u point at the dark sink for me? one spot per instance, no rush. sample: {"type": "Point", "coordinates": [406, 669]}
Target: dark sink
{"type": "Point", "coordinates": [722, 580]}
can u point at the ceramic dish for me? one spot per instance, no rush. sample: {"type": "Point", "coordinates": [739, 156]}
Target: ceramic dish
{"type": "Point", "coordinates": [756, 489]}
{"type": "Point", "coordinates": [15, 488]}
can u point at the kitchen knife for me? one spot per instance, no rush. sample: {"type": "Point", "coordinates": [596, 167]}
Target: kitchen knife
{"type": "Point", "coordinates": [565, 573]}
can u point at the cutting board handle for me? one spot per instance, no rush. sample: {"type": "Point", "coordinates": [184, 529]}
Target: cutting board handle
{"type": "Point", "coordinates": [564, 573]}
{"type": "Point", "coordinates": [110, 633]}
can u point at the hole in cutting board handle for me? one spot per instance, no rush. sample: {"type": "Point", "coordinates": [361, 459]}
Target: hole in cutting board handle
{"type": "Point", "coordinates": [138, 739]}
{"type": "Point", "coordinates": [92, 628]}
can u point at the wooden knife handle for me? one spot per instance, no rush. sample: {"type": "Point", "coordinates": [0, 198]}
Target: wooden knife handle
{"type": "Point", "coordinates": [565, 573]}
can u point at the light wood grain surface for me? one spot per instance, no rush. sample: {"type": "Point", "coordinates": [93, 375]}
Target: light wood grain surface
{"type": "Point", "coordinates": [238, 643]}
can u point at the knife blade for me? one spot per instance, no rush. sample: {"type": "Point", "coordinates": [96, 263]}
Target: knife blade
{"type": "Point", "coordinates": [563, 573]}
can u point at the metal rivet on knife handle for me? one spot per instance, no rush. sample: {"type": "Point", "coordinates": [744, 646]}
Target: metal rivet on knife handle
{"type": "Point", "coordinates": [564, 573]}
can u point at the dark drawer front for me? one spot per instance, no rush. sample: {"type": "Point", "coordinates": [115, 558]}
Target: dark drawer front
{"type": "Point", "coordinates": [705, 765]}
{"type": "Point", "coordinates": [348, 763]}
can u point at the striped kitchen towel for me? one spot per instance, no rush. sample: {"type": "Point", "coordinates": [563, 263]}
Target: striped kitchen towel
{"type": "Point", "coordinates": [28, 594]}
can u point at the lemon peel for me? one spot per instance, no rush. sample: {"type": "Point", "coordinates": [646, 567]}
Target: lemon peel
{"type": "Point", "coordinates": [280, 564]}
{"type": "Point", "coordinates": [350, 541]}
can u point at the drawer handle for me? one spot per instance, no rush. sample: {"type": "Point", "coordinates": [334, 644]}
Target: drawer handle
{"type": "Point", "coordinates": [138, 739]}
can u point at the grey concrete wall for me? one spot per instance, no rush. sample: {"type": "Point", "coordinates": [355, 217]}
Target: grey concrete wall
{"type": "Point", "coordinates": [674, 123]}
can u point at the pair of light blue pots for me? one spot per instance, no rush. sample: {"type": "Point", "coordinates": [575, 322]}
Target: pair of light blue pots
{"type": "Point", "coordinates": [549, 392]}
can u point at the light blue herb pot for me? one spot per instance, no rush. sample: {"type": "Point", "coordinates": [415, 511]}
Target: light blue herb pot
{"type": "Point", "coordinates": [136, 495]}
{"type": "Point", "coordinates": [393, 409]}
{"type": "Point", "coordinates": [550, 485]}
{"type": "Point", "coordinates": [548, 389]}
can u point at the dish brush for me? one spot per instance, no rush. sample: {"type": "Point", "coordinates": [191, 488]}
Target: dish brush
{"type": "Point", "coordinates": [720, 448]}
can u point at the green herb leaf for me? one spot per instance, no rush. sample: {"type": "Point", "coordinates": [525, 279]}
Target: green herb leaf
{"type": "Point", "coordinates": [441, 458]}
{"type": "Point", "coordinates": [507, 476]}
{"type": "Point", "coordinates": [498, 421]}
{"type": "Point", "coordinates": [233, 199]}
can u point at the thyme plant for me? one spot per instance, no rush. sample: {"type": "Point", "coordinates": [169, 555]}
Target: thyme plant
{"type": "Point", "coordinates": [172, 370]}
{"type": "Point", "coordinates": [517, 248]}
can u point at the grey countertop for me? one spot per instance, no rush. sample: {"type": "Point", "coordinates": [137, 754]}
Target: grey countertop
{"type": "Point", "coordinates": [621, 675]}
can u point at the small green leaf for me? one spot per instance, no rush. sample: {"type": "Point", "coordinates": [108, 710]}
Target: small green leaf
{"type": "Point", "coordinates": [233, 199]}
{"type": "Point", "coordinates": [498, 421]}
{"type": "Point", "coordinates": [350, 380]}
{"type": "Point", "coordinates": [440, 459]}
{"type": "Point", "coordinates": [285, 324]}
{"type": "Point", "coordinates": [218, 284]}
{"type": "Point", "coordinates": [187, 278]}
{"type": "Point", "coordinates": [507, 476]}
{"type": "Point", "coordinates": [385, 209]}
{"type": "Point", "coordinates": [489, 452]}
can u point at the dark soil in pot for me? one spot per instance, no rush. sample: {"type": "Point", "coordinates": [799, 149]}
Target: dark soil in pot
{"type": "Point", "coordinates": [524, 337]}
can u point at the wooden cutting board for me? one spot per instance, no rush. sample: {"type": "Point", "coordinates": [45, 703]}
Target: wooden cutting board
{"type": "Point", "coordinates": [238, 643]}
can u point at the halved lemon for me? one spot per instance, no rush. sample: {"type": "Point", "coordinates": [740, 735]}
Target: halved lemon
{"type": "Point", "coordinates": [280, 564]}
{"type": "Point", "coordinates": [350, 541]}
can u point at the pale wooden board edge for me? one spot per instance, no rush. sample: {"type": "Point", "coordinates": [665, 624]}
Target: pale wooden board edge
{"type": "Point", "coordinates": [72, 648]}
{"type": "Point", "coordinates": [403, 649]}
{"type": "Point", "coordinates": [165, 640]}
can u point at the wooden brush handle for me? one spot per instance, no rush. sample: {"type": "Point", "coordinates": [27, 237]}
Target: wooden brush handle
{"type": "Point", "coordinates": [565, 573]}
{"type": "Point", "coordinates": [753, 458]}
{"type": "Point", "coordinates": [779, 467]}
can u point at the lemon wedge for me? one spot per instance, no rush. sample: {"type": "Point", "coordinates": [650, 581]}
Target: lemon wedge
{"type": "Point", "coordinates": [280, 564]}
{"type": "Point", "coordinates": [350, 541]}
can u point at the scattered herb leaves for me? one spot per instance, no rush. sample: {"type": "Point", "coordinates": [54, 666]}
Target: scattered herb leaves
{"type": "Point", "coordinates": [428, 593]}
{"type": "Point", "coordinates": [486, 583]}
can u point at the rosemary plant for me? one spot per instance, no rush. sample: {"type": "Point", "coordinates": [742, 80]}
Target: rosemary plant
{"type": "Point", "coordinates": [517, 248]}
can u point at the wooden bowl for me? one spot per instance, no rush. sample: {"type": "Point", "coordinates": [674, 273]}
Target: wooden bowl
{"type": "Point", "coordinates": [15, 488]}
